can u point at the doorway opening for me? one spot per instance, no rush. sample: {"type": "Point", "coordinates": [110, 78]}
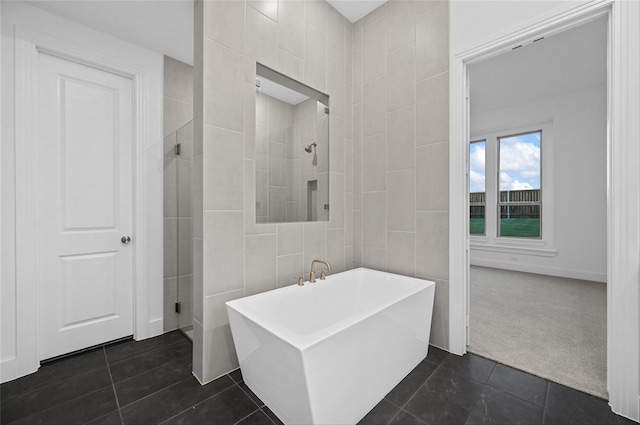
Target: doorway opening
{"type": "Point", "coordinates": [538, 207]}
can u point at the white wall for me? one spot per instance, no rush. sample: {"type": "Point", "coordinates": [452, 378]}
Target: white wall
{"type": "Point", "coordinates": [477, 22]}
{"type": "Point", "coordinates": [579, 205]}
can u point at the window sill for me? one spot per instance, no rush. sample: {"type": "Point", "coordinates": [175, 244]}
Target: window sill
{"type": "Point", "coordinates": [515, 247]}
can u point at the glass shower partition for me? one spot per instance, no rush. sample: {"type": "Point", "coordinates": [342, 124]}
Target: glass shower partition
{"type": "Point", "coordinates": [178, 231]}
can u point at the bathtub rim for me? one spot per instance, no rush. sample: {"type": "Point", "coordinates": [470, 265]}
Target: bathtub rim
{"type": "Point", "coordinates": [305, 342]}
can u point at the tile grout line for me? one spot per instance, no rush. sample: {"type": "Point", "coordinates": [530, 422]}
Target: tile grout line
{"type": "Point", "coordinates": [113, 385]}
{"type": "Point", "coordinates": [402, 408]}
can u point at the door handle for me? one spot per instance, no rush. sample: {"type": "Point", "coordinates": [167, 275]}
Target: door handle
{"type": "Point", "coordinates": [125, 240]}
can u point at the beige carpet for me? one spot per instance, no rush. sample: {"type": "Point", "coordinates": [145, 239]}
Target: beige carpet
{"type": "Point", "coordinates": [551, 327]}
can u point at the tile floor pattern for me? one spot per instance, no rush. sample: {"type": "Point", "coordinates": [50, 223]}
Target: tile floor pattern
{"type": "Point", "coordinates": [150, 382]}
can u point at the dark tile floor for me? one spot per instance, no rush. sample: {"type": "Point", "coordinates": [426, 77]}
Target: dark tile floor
{"type": "Point", "coordinates": [150, 382]}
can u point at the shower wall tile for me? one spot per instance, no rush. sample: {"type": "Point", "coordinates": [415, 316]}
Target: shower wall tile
{"type": "Point", "coordinates": [357, 130]}
{"type": "Point", "coordinates": [260, 266]}
{"type": "Point", "coordinates": [400, 78]}
{"type": "Point", "coordinates": [289, 64]}
{"type": "Point", "coordinates": [315, 58]}
{"type": "Point", "coordinates": [223, 174]}
{"type": "Point", "coordinates": [222, 106]}
{"type": "Point", "coordinates": [290, 266]}
{"type": "Point", "coordinates": [348, 258]}
{"type": "Point", "coordinates": [356, 78]}
{"type": "Point", "coordinates": [176, 113]}
{"type": "Point", "coordinates": [336, 149]}
{"type": "Point", "coordinates": [357, 183]}
{"type": "Point", "coordinates": [401, 139]}
{"type": "Point", "coordinates": [262, 42]}
{"type": "Point", "coordinates": [291, 27]}
{"type": "Point", "coordinates": [374, 107]}
{"type": "Point", "coordinates": [185, 298]}
{"type": "Point", "coordinates": [336, 35]}
{"type": "Point", "coordinates": [218, 342]}
{"type": "Point", "coordinates": [357, 238]}
{"type": "Point", "coordinates": [432, 164]}
{"type": "Point", "coordinates": [375, 15]}
{"type": "Point", "coordinates": [316, 51]}
{"type": "Point", "coordinates": [290, 238]}
{"type": "Point", "coordinates": [184, 188]}
{"type": "Point", "coordinates": [375, 258]}
{"type": "Point", "coordinates": [440, 317]}
{"type": "Point", "coordinates": [224, 254]}
{"type": "Point", "coordinates": [224, 22]}
{"type": "Point", "coordinates": [401, 200]}
{"type": "Point", "coordinates": [423, 7]}
{"type": "Point", "coordinates": [432, 107]}
{"type": "Point", "coordinates": [170, 320]}
{"type": "Point", "coordinates": [374, 163]}
{"type": "Point", "coordinates": [432, 244]}
{"type": "Point", "coordinates": [400, 133]}
{"type": "Point", "coordinates": [175, 85]}
{"type": "Point", "coordinates": [432, 43]}
{"type": "Point", "coordinates": [335, 249]}
{"type": "Point", "coordinates": [251, 228]}
{"type": "Point", "coordinates": [197, 185]}
{"type": "Point", "coordinates": [198, 346]}
{"type": "Point", "coordinates": [185, 246]}
{"type": "Point", "coordinates": [268, 8]}
{"type": "Point", "coordinates": [336, 201]}
{"type": "Point", "coordinates": [400, 28]}
{"type": "Point", "coordinates": [315, 242]}
{"type": "Point", "coordinates": [401, 253]}
{"type": "Point", "coordinates": [198, 280]}
{"type": "Point", "coordinates": [169, 175]}
{"type": "Point", "coordinates": [335, 80]}
{"type": "Point", "coordinates": [170, 247]}
{"type": "Point", "coordinates": [374, 46]}
{"type": "Point", "coordinates": [250, 100]}
{"type": "Point", "coordinates": [184, 136]}
{"type": "Point", "coordinates": [316, 13]}
{"type": "Point", "coordinates": [374, 223]}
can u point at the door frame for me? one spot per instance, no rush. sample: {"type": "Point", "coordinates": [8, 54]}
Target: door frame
{"type": "Point", "coordinates": [623, 191]}
{"type": "Point", "coordinates": [84, 45]}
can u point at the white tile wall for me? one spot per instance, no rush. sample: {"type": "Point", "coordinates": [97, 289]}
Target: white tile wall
{"type": "Point", "coordinates": [387, 78]}
{"type": "Point", "coordinates": [400, 145]}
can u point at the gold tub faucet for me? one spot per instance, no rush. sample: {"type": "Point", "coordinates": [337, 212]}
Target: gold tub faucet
{"type": "Point", "coordinates": [312, 275]}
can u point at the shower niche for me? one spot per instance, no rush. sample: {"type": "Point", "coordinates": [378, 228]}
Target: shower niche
{"type": "Point", "coordinates": [291, 150]}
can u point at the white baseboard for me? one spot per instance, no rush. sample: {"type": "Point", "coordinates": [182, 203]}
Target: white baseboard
{"type": "Point", "coordinates": [549, 271]}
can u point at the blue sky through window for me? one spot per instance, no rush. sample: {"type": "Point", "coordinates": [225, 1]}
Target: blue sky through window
{"type": "Point", "coordinates": [520, 161]}
{"type": "Point", "coordinates": [477, 166]}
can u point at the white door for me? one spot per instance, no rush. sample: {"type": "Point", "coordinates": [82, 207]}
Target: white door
{"type": "Point", "coordinates": [85, 270]}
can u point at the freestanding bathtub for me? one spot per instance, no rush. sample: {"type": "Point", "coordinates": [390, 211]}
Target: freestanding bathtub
{"type": "Point", "coordinates": [328, 352]}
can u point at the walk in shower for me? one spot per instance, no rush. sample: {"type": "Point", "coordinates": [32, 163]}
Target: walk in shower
{"type": "Point", "coordinates": [178, 230]}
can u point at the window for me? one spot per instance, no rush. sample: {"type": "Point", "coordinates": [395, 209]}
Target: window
{"type": "Point", "coordinates": [519, 200]}
{"type": "Point", "coordinates": [477, 182]}
{"type": "Point", "coordinates": [506, 201]}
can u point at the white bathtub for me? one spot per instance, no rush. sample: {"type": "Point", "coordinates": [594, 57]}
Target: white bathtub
{"type": "Point", "coordinates": [328, 352]}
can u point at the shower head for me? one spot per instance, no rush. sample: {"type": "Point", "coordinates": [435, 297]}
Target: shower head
{"type": "Point", "coordinates": [308, 148]}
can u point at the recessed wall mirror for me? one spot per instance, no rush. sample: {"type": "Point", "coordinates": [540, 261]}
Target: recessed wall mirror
{"type": "Point", "coordinates": [291, 150]}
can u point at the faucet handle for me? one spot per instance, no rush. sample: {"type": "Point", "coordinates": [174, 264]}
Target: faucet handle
{"type": "Point", "coordinates": [300, 280]}
{"type": "Point", "coordinates": [323, 275]}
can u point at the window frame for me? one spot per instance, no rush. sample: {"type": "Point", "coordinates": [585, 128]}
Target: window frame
{"type": "Point", "coordinates": [490, 241]}
{"type": "Point", "coordinates": [500, 204]}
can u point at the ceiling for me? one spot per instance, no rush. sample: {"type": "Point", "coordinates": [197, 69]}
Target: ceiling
{"type": "Point", "coordinates": [164, 26]}
{"type": "Point", "coordinates": [562, 63]}
{"type": "Point", "coordinates": [353, 10]}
